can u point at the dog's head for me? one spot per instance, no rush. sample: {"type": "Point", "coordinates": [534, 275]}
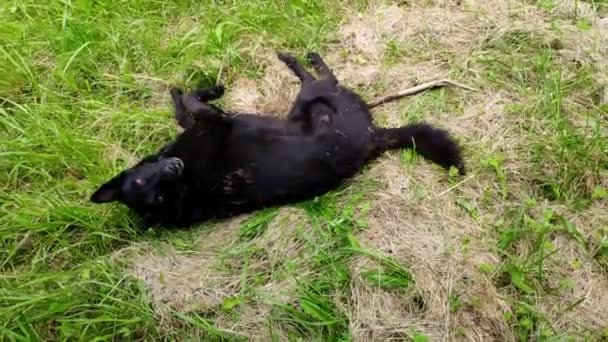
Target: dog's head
{"type": "Point", "coordinates": [146, 187]}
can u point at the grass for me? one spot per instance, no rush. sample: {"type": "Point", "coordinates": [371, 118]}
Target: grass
{"type": "Point", "coordinates": [522, 61]}
{"type": "Point", "coordinates": [84, 93]}
{"type": "Point", "coordinates": [563, 137]}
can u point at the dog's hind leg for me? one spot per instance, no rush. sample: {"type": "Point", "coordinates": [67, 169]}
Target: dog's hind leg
{"type": "Point", "coordinates": [321, 67]}
{"type": "Point", "coordinates": [314, 95]}
{"type": "Point", "coordinates": [314, 99]}
{"type": "Point", "coordinates": [297, 68]}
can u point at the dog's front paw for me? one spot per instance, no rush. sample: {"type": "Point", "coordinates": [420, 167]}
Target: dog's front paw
{"type": "Point", "coordinates": [286, 58]}
{"type": "Point", "coordinates": [314, 58]}
{"type": "Point", "coordinates": [219, 90]}
{"type": "Point", "coordinates": [208, 94]}
{"type": "Point", "coordinates": [176, 92]}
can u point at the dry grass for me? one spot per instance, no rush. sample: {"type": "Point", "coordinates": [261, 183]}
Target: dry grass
{"type": "Point", "coordinates": [206, 281]}
{"type": "Point", "coordinates": [417, 216]}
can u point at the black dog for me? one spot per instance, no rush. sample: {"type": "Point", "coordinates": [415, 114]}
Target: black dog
{"type": "Point", "coordinates": [236, 163]}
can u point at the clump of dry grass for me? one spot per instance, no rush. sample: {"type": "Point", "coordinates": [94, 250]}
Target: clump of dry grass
{"type": "Point", "coordinates": [207, 281]}
{"type": "Point", "coordinates": [187, 281]}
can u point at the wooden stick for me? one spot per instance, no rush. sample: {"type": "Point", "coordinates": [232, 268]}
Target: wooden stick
{"type": "Point", "coordinates": [416, 90]}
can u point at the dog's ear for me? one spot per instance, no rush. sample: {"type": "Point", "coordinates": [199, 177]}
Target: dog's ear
{"type": "Point", "coordinates": [108, 192]}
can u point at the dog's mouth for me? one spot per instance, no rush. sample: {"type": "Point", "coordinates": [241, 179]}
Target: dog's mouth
{"type": "Point", "coordinates": [172, 168]}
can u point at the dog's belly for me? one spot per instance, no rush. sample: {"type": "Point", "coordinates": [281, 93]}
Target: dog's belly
{"type": "Point", "coordinates": [286, 170]}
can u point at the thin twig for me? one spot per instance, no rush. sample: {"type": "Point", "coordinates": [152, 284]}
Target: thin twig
{"type": "Point", "coordinates": [454, 186]}
{"type": "Point", "coordinates": [418, 89]}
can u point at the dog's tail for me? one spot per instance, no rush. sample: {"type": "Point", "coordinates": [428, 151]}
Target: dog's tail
{"type": "Point", "coordinates": [432, 143]}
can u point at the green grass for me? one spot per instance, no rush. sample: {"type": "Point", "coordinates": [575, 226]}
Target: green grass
{"type": "Point", "coordinates": [84, 93]}
{"type": "Point", "coordinates": [84, 89]}
{"type": "Point", "coordinates": [565, 153]}
{"type": "Point", "coordinates": [573, 156]}
{"type": "Point", "coordinates": [321, 270]}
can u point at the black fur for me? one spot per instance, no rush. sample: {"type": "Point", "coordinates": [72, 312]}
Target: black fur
{"type": "Point", "coordinates": [145, 186]}
{"type": "Point", "coordinates": [243, 162]}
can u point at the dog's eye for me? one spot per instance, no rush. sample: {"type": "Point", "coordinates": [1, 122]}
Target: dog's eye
{"type": "Point", "coordinates": [139, 182]}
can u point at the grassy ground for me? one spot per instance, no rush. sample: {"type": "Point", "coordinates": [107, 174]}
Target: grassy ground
{"type": "Point", "coordinates": [517, 250]}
